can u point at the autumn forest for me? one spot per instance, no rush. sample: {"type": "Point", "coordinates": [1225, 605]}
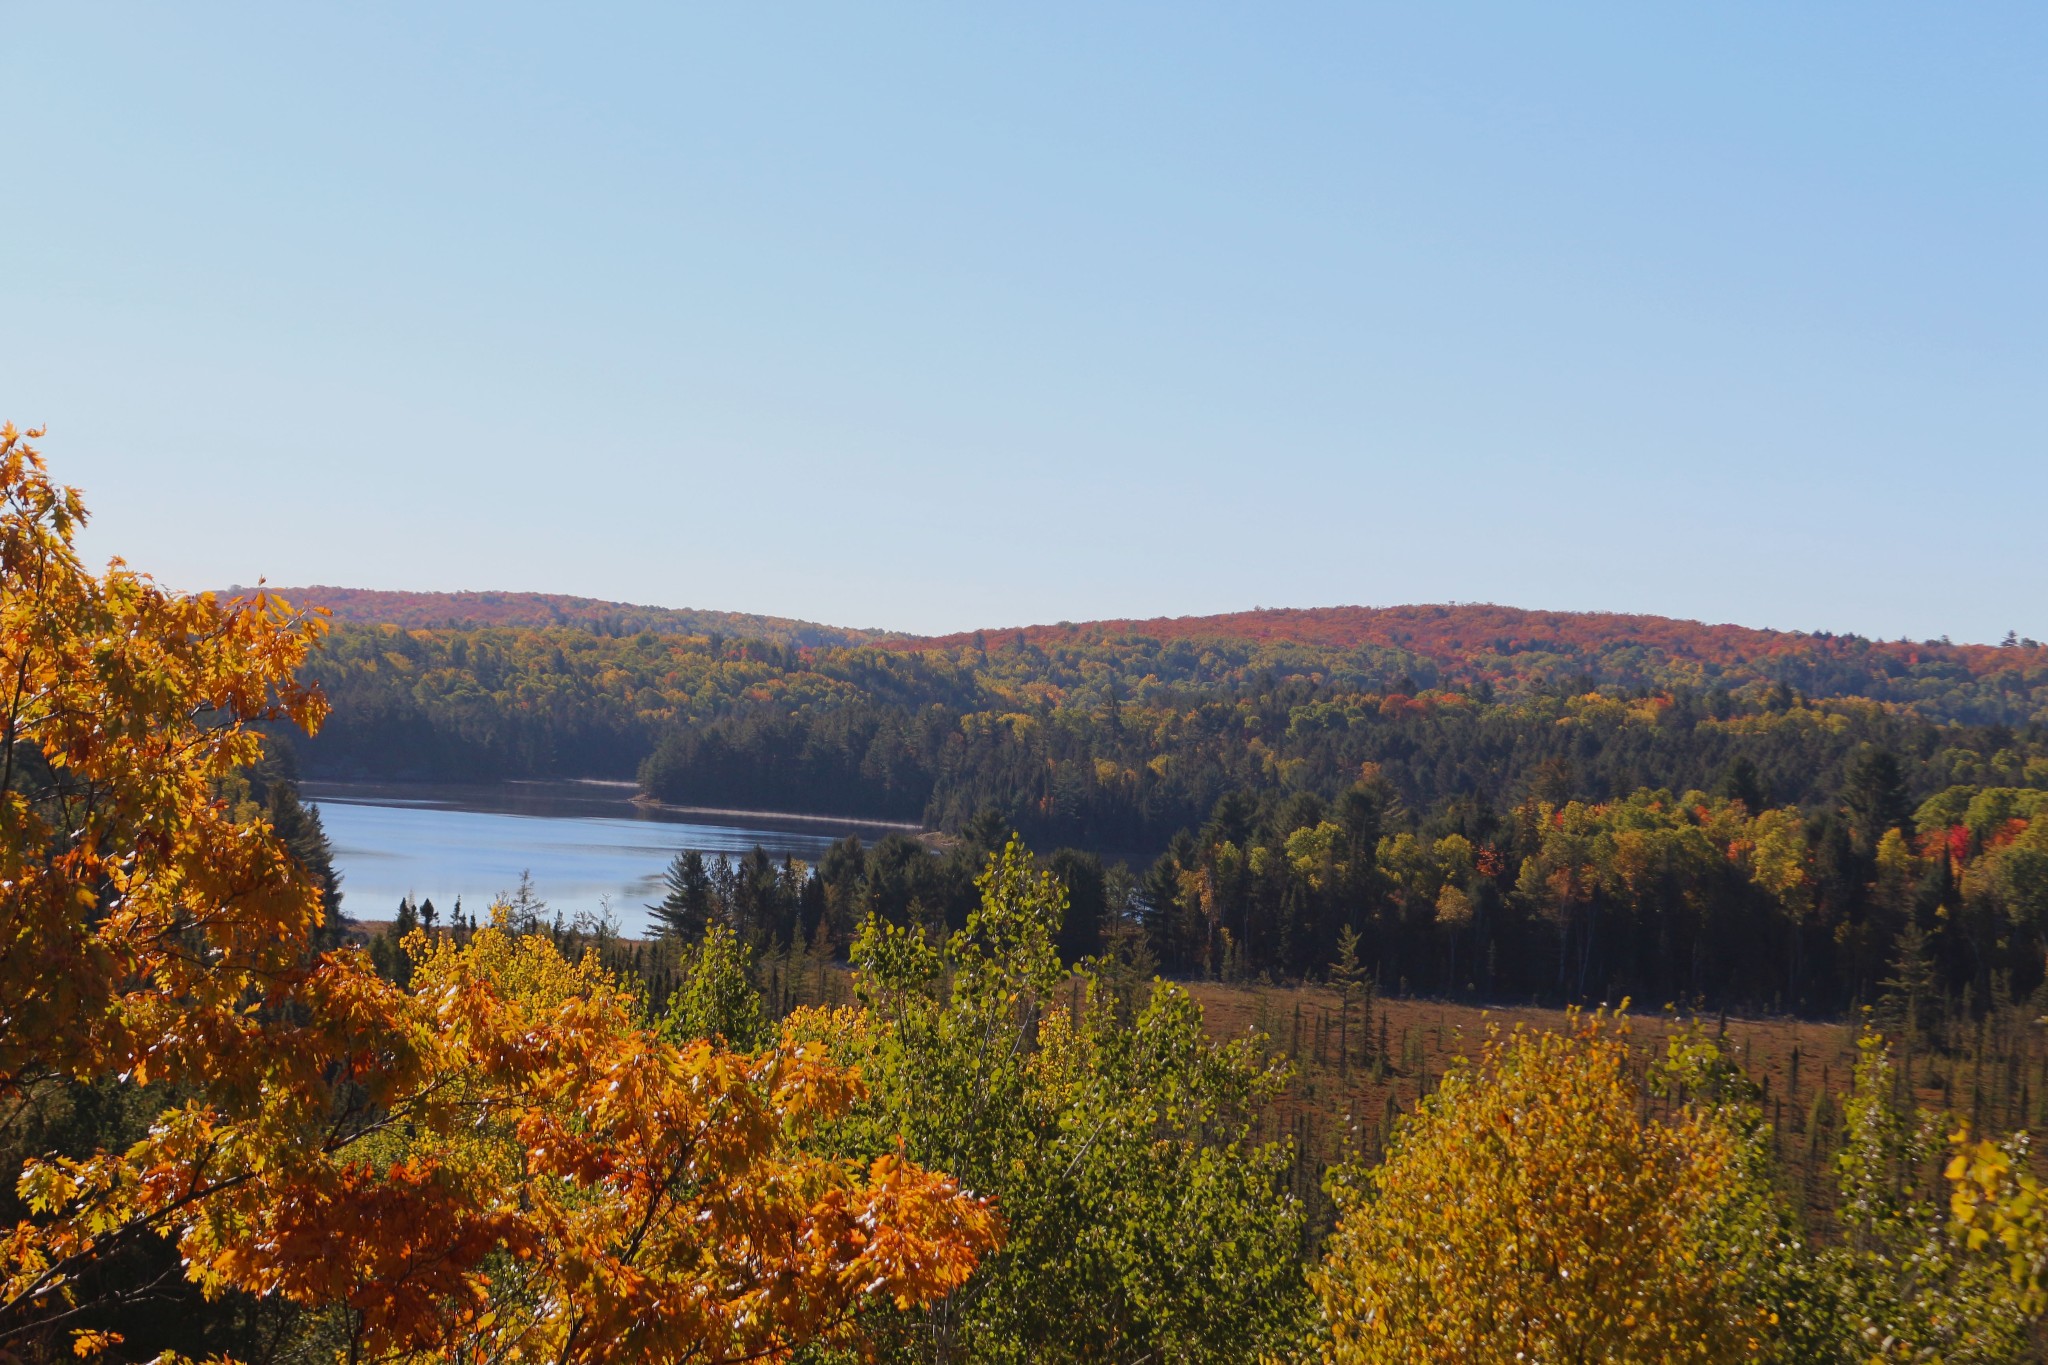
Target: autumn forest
{"type": "Point", "coordinates": [1502, 804]}
{"type": "Point", "coordinates": [1253, 992]}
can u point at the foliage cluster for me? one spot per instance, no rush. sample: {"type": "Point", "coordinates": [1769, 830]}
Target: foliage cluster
{"type": "Point", "coordinates": [1684, 896]}
{"type": "Point", "coordinates": [472, 610]}
{"type": "Point", "coordinates": [1535, 1209]}
{"type": "Point", "coordinates": [792, 905]}
{"type": "Point", "coordinates": [1144, 1219]}
{"type": "Point", "coordinates": [229, 1133]}
{"type": "Point", "coordinates": [223, 1132]}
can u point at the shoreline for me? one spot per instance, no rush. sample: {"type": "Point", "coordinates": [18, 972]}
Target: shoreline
{"type": "Point", "coordinates": [649, 803]}
{"type": "Point", "coordinates": [602, 790]}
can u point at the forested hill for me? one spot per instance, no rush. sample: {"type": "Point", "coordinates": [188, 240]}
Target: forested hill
{"type": "Point", "coordinates": [474, 610]}
{"type": "Point", "coordinates": [1461, 644]}
{"type": "Point", "coordinates": [1451, 645]}
{"type": "Point", "coordinates": [1515, 801]}
{"type": "Point", "coordinates": [1121, 733]}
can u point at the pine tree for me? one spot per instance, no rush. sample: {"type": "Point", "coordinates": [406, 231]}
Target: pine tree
{"type": "Point", "coordinates": [685, 905]}
{"type": "Point", "coordinates": [1744, 783]}
{"type": "Point", "coordinates": [1874, 795]}
{"type": "Point", "coordinates": [1909, 992]}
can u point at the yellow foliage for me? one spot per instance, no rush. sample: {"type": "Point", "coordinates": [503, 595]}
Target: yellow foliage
{"type": "Point", "coordinates": [1528, 1212]}
{"type": "Point", "coordinates": [1456, 858]}
{"type": "Point", "coordinates": [1312, 852]}
{"type": "Point", "coordinates": [1995, 1199]}
{"type": "Point", "coordinates": [1453, 907]}
{"type": "Point", "coordinates": [1778, 855]}
{"type": "Point", "coordinates": [502, 1158]}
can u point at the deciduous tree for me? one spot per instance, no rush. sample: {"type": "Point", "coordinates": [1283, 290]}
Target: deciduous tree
{"type": "Point", "coordinates": [1528, 1211]}
{"type": "Point", "coordinates": [503, 1151]}
{"type": "Point", "coordinates": [1143, 1220]}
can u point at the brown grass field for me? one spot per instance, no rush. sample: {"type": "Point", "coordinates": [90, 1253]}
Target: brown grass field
{"type": "Point", "coordinates": [1347, 1092]}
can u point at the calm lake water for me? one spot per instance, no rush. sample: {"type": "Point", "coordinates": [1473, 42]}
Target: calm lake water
{"type": "Point", "coordinates": [586, 844]}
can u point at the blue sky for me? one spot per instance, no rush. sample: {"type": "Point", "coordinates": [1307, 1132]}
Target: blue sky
{"type": "Point", "coordinates": [949, 317]}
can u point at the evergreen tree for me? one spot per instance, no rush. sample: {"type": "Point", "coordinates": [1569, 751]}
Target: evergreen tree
{"type": "Point", "coordinates": [685, 905]}
{"type": "Point", "coordinates": [1910, 992]}
{"type": "Point", "coordinates": [1874, 795]}
{"type": "Point", "coordinates": [387, 950]}
{"type": "Point", "coordinates": [756, 905]}
{"type": "Point", "coordinates": [1080, 933]}
{"type": "Point", "coordinates": [1741, 782]}
{"type": "Point", "coordinates": [1159, 899]}
{"type": "Point", "coordinates": [298, 825]}
{"type": "Point", "coordinates": [1346, 975]}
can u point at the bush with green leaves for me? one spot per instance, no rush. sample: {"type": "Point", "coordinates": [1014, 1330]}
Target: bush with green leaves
{"type": "Point", "coordinates": [716, 998]}
{"type": "Point", "coordinates": [1144, 1222]}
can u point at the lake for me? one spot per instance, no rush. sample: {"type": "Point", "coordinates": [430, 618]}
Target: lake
{"type": "Point", "coordinates": [587, 845]}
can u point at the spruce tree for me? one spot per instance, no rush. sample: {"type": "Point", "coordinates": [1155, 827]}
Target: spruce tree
{"type": "Point", "coordinates": [685, 905]}
{"type": "Point", "coordinates": [1909, 992]}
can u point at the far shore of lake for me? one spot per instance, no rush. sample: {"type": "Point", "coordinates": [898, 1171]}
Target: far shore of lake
{"type": "Point", "coordinates": [734, 812]}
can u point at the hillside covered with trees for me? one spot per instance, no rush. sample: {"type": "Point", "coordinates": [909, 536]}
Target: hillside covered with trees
{"type": "Point", "coordinates": [1501, 804]}
{"type": "Point", "coordinates": [232, 1134]}
{"type": "Point", "coordinates": [940, 728]}
{"type": "Point", "coordinates": [470, 610]}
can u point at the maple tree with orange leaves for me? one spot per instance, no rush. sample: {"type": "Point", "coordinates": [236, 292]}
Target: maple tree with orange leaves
{"type": "Point", "coordinates": [501, 1161]}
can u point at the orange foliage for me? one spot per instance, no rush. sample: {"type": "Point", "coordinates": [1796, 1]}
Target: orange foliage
{"type": "Point", "coordinates": [504, 1151]}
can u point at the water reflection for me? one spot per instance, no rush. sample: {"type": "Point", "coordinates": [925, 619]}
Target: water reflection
{"type": "Point", "coordinates": [587, 845]}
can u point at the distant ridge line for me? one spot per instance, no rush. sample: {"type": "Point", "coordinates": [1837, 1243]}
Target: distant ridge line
{"type": "Point", "coordinates": [435, 610]}
{"type": "Point", "coordinates": [1454, 632]}
{"type": "Point", "coordinates": [1445, 632]}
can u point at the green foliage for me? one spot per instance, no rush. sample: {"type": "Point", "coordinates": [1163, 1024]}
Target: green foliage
{"type": "Point", "coordinates": [717, 999]}
{"type": "Point", "coordinates": [1143, 1220]}
{"type": "Point", "coordinates": [1317, 780]}
{"type": "Point", "coordinates": [1906, 1283]}
{"type": "Point", "coordinates": [387, 950]}
{"type": "Point", "coordinates": [685, 906]}
{"type": "Point", "coordinates": [1117, 741]}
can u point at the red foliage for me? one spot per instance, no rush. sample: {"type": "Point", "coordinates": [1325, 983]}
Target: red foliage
{"type": "Point", "coordinates": [2006, 833]}
{"type": "Point", "coordinates": [1454, 633]}
{"type": "Point", "coordinates": [1468, 641]}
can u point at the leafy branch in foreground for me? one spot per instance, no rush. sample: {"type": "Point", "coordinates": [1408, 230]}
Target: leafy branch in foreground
{"type": "Point", "coordinates": [503, 1159]}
